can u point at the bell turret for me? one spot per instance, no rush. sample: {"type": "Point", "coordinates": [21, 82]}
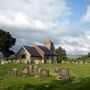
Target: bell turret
{"type": "Point", "coordinates": [49, 44]}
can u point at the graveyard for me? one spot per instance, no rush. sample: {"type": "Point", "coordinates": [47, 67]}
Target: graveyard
{"type": "Point", "coordinates": [21, 76]}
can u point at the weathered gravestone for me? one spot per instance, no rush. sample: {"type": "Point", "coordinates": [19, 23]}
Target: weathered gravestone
{"type": "Point", "coordinates": [76, 62]}
{"type": "Point", "coordinates": [31, 67]}
{"type": "Point", "coordinates": [35, 68]}
{"type": "Point", "coordinates": [17, 61]}
{"type": "Point", "coordinates": [81, 62]}
{"type": "Point", "coordinates": [86, 62]}
{"type": "Point", "coordinates": [2, 62]}
{"type": "Point", "coordinates": [9, 61]}
{"type": "Point", "coordinates": [62, 73]}
{"type": "Point", "coordinates": [63, 62]}
{"type": "Point", "coordinates": [25, 71]}
{"type": "Point", "coordinates": [13, 72]}
{"type": "Point", "coordinates": [73, 62]}
{"type": "Point", "coordinates": [43, 73]}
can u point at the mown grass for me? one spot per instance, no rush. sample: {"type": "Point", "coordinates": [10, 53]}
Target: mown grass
{"type": "Point", "coordinates": [80, 78]}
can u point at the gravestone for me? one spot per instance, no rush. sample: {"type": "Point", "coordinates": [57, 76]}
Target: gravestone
{"type": "Point", "coordinates": [13, 72]}
{"type": "Point", "coordinates": [9, 61]}
{"type": "Point", "coordinates": [13, 61]}
{"type": "Point", "coordinates": [2, 62]}
{"type": "Point", "coordinates": [86, 62]}
{"type": "Point", "coordinates": [76, 62]}
{"type": "Point", "coordinates": [35, 68]}
{"type": "Point", "coordinates": [73, 62]}
{"type": "Point", "coordinates": [43, 73]}
{"type": "Point", "coordinates": [6, 62]}
{"type": "Point", "coordinates": [25, 71]}
{"type": "Point", "coordinates": [81, 62]}
{"type": "Point", "coordinates": [25, 61]}
{"type": "Point", "coordinates": [63, 62]}
{"type": "Point", "coordinates": [17, 61]}
{"type": "Point", "coordinates": [31, 67]}
{"type": "Point", "coordinates": [62, 73]}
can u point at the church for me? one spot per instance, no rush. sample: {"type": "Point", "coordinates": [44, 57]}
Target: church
{"type": "Point", "coordinates": [38, 53]}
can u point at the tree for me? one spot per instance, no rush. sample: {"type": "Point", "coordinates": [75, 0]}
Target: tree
{"type": "Point", "coordinates": [6, 43]}
{"type": "Point", "coordinates": [61, 54]}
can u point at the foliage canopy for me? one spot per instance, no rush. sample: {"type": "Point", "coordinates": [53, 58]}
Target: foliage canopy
{"type": "Point", "coordinates": [61, 54]}
{"type": "Point", "coordinates": [6, 42]}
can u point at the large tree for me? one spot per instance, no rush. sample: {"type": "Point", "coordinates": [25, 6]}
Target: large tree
{"type": "Point", "coordinates": [6, 43]}
{"type": "Point", "coordinates": [61, 54]}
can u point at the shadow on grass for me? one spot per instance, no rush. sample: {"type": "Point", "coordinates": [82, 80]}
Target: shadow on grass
{"type": "Point", "coordinates": [78, 84]}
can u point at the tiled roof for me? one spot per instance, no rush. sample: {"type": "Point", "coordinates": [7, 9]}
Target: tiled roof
{"type": "Point", "coordinates": [32, 51]}
{"type": "Point", "coordinates": [46, 50]}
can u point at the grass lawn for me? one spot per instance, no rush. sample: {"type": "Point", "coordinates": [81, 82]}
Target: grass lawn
{"type": "Point", "coordinates": [80, 78]}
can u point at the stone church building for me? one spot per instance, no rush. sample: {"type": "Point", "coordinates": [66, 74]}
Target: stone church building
{"type": "Point", "coordinates": [37, 53]}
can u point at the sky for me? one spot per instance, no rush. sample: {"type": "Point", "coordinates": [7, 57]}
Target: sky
{"type": "Point", "coordinates": [65, 22]}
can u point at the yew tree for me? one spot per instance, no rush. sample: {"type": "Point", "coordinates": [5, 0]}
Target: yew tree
{"type": "Point", "coordinates": [6, 43]}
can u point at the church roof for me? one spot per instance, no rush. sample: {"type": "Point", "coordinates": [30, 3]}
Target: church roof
{"type": "Point", "coordinates": [32, 51]}
{"type": "Point", "coordinates": [46, 50]}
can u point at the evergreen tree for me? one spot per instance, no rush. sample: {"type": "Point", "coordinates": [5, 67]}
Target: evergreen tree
{"type": "Point", "coordinates": [61, 54]}
{"type": "Point", "coordinates": [6, 42]}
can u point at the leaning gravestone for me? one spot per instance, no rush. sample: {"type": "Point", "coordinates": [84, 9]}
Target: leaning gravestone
{"type": "Point", "coordinates": [62, 73]}
{"type": "Point", "coordinates": [13, 72]}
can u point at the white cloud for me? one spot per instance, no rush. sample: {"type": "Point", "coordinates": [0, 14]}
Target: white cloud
{"type": "Point", "coordinates": [36, 14]}
{"type": "Point", "coordinates": [32, 21]}
{"type": "Point", "coordinates": [86, 17]}
{"type": "Point", "coordinates": [79, 44]}
{"type": "Point", "coordinates": [15, 19]}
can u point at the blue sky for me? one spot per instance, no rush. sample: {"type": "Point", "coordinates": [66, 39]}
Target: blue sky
{"type": "Point", "coordinates": [65, 22]}
{"type": "Point", "coordinates": [78, 8]}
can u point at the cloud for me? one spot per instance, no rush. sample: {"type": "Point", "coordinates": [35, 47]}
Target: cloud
{"type": "Point", "coordinates": [33, 21]}
{"type": "Point", "coordinates": [79, 44]}
{"type": "Point", "coordinates": [86, 17]}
